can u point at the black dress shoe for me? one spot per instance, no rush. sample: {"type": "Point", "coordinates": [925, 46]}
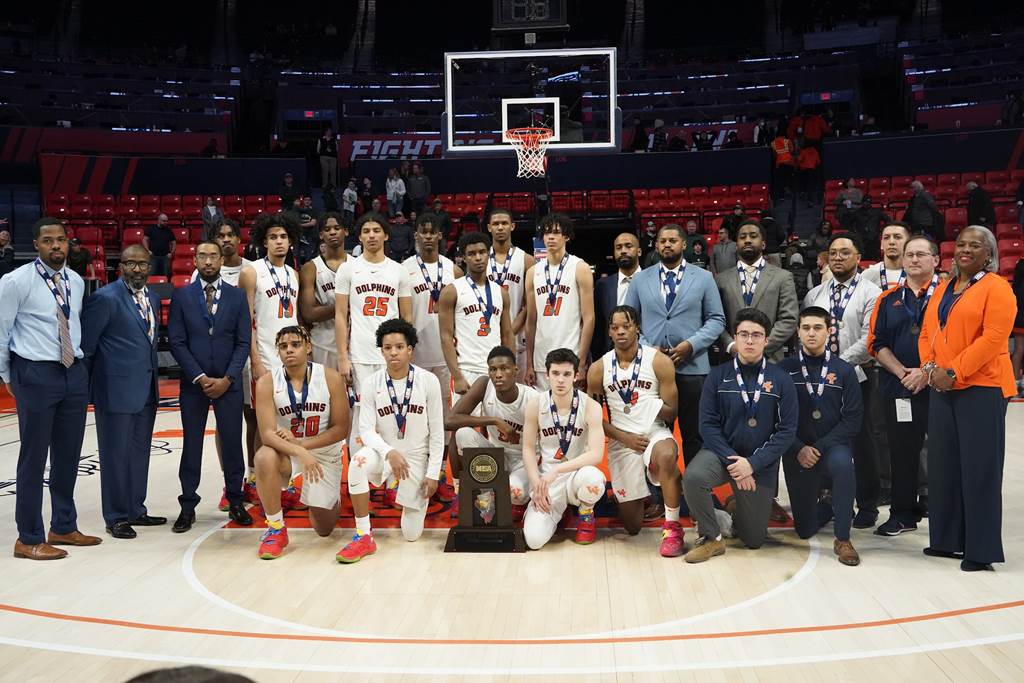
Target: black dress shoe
{"type": "Point", "coordinates": [147, 520]}
{"type": "Point", "coordinates": [972, 566]}
{"type": "Point", "coordinates": [121, 530]}
{"type": "Point", "coordinates": [865, 518]}
{"type": "Point", "coordinates": [947, 554]}
{"type": "Point", "coordinates": [239, 515]}
{"type": "Point", "coordinates": [184, 522]}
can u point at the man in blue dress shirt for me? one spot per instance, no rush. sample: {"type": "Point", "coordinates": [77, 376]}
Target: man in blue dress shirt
{"type": "Point", "coordinates": [40, 364]}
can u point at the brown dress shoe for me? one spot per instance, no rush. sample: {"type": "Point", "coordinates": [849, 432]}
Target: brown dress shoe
{"type": "Point", "coordinates": [76, 537]}
{"type": "Point", "coordinates": [40, 551]}
{"type": "Point", "coordinates": [778, 513]}
{"type": "Point", "coordinates": [846, 553]}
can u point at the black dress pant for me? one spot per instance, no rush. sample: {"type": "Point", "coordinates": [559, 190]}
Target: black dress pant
{"type": "Point", "coordinates": [865, 458]}
{"type": "Point", "coordinates": [906, 440]}
{"type": "Point", "coordinates": [689, 388]}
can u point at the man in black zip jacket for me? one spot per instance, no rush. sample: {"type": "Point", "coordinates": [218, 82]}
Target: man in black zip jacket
{"type": "Point", "coordinates": [831, 411]}
{"type": "Point", "coordinates": [748, 418]}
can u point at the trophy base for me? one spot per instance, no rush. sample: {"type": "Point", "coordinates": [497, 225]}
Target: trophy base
{"type": "Point", "coordinates": [470, 540]}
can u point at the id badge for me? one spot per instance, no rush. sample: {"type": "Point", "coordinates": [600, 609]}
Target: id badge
{"type": "Point", "coordinates": [903, 411]}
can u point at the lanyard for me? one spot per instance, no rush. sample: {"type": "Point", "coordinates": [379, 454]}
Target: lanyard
{"type": "Point", "coordinates": [748, 289]}
{"type": "Point", "coordinates": [210, 315]}
{"type": "Point", "coordinates": [750, 404]}
{"type": "Point", "coordinates": [435, 287]}
{"type": "Point", "coordinates": [486, 309]}
{"type": "Point", "coordinates": [885, 278]}
{"type": "Point", "coordinates": [839, 308]}
{"type": "Point", "coordinates": [918, 317]}
{"type": "Point", "coordinates": [553, 287]}
{"type": "Point", "coordinates": [943, 319]}
{"type": "Point", "coordinates": [500, 276]}
{"type": "Point", "coordinates": [565, 434]}
{"type": "Point", "coordinates": [628, 393]}
{"type": "Point", "coordinates": [401, 411]}
{"type": "Point", "coordinates": [816, 393]}
{"type": "Point", "coordinates": [298, 407]}
{"type": "Point", "coordinates": [63, 299]}
{"type": "Point", "coordinates": [283, 293]}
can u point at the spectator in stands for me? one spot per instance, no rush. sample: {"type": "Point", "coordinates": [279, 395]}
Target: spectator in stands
{"type": "Point", "coordinates": [782, 148]}
{"type": "Point", "coordinates": [649, 244]}
{"type": "Point", "coordinates": [803, 279]}
{"type": "Point", "coordinates": [375, 205]}
{"type": "Point", "coordinates": [963, 348]}
{"type": "Point", "coordinates": [330, 200]}
{"type": "Point", "coordinates": [79, 258]}
{"type": "Point", "coordinates": [979, 206]}
{"type": "Point", "coordinates": [733, 221]}
{"type": "Point", "coordinates": [288, 191]}
{"type": "Point", "coordinates": [444, 222]}
{"type": "Point", "coordinates": [698, 254]}
{"type": "Point", "coordinates": [327, 150]}
{"type": "Point", "coordinates": [818, 242]}
{"type": "Point", "coordinates": [349, 197]}
{"type": "Point", "coordinates": [401, 238]}
{"type": "Point", "coordinates": [639, 142]}
{"type": "Point", "coordinates": [395, 188]}
{"type": "Point", "coordinates": [6, 251]}
{"type": "Point", "coordinates": [212, 215]}
{"type": "Point", "coordinates": [692, 238]}
{"type": "Point", "coordinates": [159, 241]}
{"type": "Point", "coordinates": [723, 254]}
{"type": "Point", "coordinates": [304, 215]}
{"type": "Point", "coordinates": [677, 143]}
{"type": "Point", "coordinates": [812, 126]}
{"type": "Point", "coordinates": [211, 149]}
{"type": "Point", "coordinates": [922, 213]}
{"type": "Point", "coordinates": [705, 141]}
{"type": "Point", "coordinates": [808, 162]}
{"type": "Point", "coordinates": [775, 238]}
{"type": "Point", "coordinates": [658, 141]}
{"type": "Point", "coordinates": [418, 187]}
{"type": "Point", "coordinates": [732, 141]}
{"type": "Point", "coordinates": [367, 193]}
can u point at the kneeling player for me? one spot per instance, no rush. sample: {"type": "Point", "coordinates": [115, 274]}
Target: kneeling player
{"type": "Point", "coordinates": [303, 415]}
{"type": "Point", "coordinates": [565, 424]}
{"type": "Point", "coordinates": [638, 384]}
{"type": "Point", "coordinates": [401, 425]}
{"type": "Point", "coordinates": [502, 402]}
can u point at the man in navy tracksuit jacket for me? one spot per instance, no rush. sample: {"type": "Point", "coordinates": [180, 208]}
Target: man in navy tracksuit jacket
{"type": "Point", "coordinates": [748, 418]}
{"type": "Point", "coordinates": [831, 411]}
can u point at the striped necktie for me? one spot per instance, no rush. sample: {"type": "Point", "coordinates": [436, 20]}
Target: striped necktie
{"type": "Point", "coordinates": [67, 353]}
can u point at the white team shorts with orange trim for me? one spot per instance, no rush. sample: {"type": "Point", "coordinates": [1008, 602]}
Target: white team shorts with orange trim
{"type": "Point", "coordinates": [630, 470]}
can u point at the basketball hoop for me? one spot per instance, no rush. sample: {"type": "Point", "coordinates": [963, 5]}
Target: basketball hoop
{"type": "Point", "coordinates": [530, 144]}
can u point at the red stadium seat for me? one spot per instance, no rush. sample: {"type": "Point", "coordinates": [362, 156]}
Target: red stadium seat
{"type": "Point", "coordinates": [698, 192]}
{"type": "Point", "coordinates": [182, 266]}
{"type": "Point", "coordinates": [170, 201]}
{"type": "Point", "coordinates": [272, 203]}
{"type": "Point", "coordinates": [127, 212]}
{"type": "Point", "coordinates": [1001, 177]}
{"type": "Point", "coordinates": [501, 200]}
{"type": "Point", "coordinates": [148, 214]}
{"type": "Point", "coordinates": [192, 201]}
{"type": "Point", "coordinates": [103, 200]}
{"type": "Point", "coordinates": [196, 234]}
{"type": "Point", "coordinates": [149, 200]}
{"type": "Point", "coordinates": [946, 264]}
{"type": "Point", "coordinates": [132, 236]}
{"type": "Point", "coordinates": [1008, 231]}
{"type": "Point", "coordinates": [975, 176]}
{"type": "Point", "coordinates": [1007, 265]}
{"type": "Point", "coordinates": [862, 183]}
{"type": "Point", "coordinates": [946, 193]}
{"type": "Point", "coordinates": [719, 191]}
{"type": "Point", "coordinates": [599, 201]}
{"type": "Point", "coordinates": [949, 179]}
{"type": "Point", "coordinates": [1011, 247]}
{"type": "Point", "coordinates": [926, 180]}
{"type": "Point", "coordinates": [464, 198]}
{"type": "Point", "coordinates": [128, 200]}
{"type": "Point", "coordinates": [739, 190]}
{"type": "Point", "coordinates": [89, 235]}
{"type": "Point", "coordinates": [81, 212]}
{"type": "Point", "coordinates": [181, 280]}
{"type": "Point", "coordinates": [173, 214]}
{"type": "Point", "coordinates": [834, 184]}
{"type": "Point", "coordinates": [658, 193]}
{"type": "Point", "coordinates": [243, 235]}
{"type": "Point", "coordinates": [677, 193]}
{"type": "Point", "coordinates": [481, 197]}
{"type": "Point", "coordinates": [232, 200]}
{"type": "Point", "coordinates": [620, 201]}
{"type": "Point", "coordinates": [878, 184]}
{"type": "Point", "coordinates": [947, 249]}
{"type": "Point", "coordinates": [181, 235]}
{"type": "Point", "coordinates": [901, 181]}
{"type": "Point", "coordinates": [56, 199]}
{"type": "Point", "coordinates": [761, 189]}
{"type": "Point", "coordinates": [956, 220]}
{"type": "Point", "coordinates": [157, 280]}
{"type": "Point", "coordinates": [523, 202]}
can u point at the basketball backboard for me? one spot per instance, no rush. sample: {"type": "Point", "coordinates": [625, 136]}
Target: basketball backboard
{"type": "Point", "coordinates": [573, 92]}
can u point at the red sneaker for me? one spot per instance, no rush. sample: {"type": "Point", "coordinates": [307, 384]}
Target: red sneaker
{"type": "Point", "coordinates": [359, 547]}
{"type": "Point", "coordinates": [445, 491]}
{"type": "Point", "coordinates": [291, 499]}
{"type": "Point", "coordinates": [272, 543]}
{"type": "Point", "coordinates": [518, 512]}
{"type": "Point", "coordinates": [249, 492]}
{"type": "Point", "coordinates": [586, 529]}
{"type": "Point", "coordinates": [223, 505]}
{"type": "Point", "coordinates": [672, 539]}
{"type": "Point", "coordinates": [391, 494]}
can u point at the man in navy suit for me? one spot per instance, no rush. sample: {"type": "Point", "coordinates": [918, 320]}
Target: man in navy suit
{"type": "Point", "coordinates": [610, 291]}
{"type": "Point", "coordinates": [681, 314]}
{"type": "Point", "coordinates": [119, 325]}
{"type": "Point", "coordinates": [210, 333]}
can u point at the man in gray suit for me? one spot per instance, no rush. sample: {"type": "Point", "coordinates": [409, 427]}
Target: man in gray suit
{"type": "Point", "coordinates": [755, 283]}
{"type": "Point", "coordinates": [681, 314]}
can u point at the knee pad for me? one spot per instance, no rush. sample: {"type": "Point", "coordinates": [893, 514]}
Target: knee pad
{"type": "Point", "coordinates": [358, 466]}
{"type": "Point", "coordinates": [589, 483]}
{"type": "Point", "coordinates": [412, 523]}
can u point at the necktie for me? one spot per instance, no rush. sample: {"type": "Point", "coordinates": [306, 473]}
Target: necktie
{"type": "Point", "coordinates": [623, 289]}
{"type": "Point", "coordinates": [140, 297]}
{"type": "Point", "coordinates": [210, 291]}
{"type": "Point", "coordinates": [67, 354]}
{"type": "Point", "coordinates": [833, 336]}
{"type": "Point", "coordinates": [670, 283]}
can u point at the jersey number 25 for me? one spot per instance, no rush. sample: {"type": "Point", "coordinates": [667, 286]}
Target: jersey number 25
{"type": "Point", "coordinates": [376, 306]}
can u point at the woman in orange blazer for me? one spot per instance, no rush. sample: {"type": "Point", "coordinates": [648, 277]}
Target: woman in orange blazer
{"type": "Point", "coordinates": [964, 351]}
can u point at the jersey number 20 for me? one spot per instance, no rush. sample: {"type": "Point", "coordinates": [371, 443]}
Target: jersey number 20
{"type": "Point", "coordinates": [303, 429]}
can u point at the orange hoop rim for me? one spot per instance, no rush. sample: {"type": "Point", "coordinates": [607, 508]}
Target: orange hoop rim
{"type": "Point", "coordinates": [530, 137]}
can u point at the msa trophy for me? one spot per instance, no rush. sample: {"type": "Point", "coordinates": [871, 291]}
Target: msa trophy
{"type": "Point", "coordinates": [485, 506]}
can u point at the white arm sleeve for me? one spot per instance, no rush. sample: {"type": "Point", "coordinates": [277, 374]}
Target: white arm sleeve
{"type": "Point", "coordinates": [368, 419]}
{"type": "Point", "coordinates": [435, 423]}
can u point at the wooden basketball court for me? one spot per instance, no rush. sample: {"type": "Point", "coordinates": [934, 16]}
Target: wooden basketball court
{"type": "Point", "coordinates": [614, 610]}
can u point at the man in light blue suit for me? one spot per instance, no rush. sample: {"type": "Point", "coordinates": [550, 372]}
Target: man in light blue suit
{"type": "Point", "coordinates": [680, 313]}
{"type": "Point", "coordinates": [119, 326]}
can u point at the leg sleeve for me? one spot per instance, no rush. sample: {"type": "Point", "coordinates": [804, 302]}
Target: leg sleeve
{"type": "Point", "coordinates": [587, 487]}
{"type": "Point", "coordinates": [519, 486]}
{"type": "Point", "coordinates": [412, 523]}
{"type": "Point", "coordinates": [363, 467]}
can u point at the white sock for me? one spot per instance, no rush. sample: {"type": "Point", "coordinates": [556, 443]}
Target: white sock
{"type": "Point", "coordinates": [363, 525]}
{"type": "Point", "coordinates": [671, 514]}
{"type": "Point", "coordinates": [718, 537]}
{"type": "Point", "coordinates": [276, 520]}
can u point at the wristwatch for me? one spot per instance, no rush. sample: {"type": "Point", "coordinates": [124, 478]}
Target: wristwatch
{"type": "Point", "coordinates": [951, 374]}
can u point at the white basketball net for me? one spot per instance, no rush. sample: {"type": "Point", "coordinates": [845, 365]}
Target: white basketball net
{"type": "Point", "coordinates": [531, 145]}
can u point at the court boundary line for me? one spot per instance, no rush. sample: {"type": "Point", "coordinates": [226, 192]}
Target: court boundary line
{"type": "Point", "coordinates": [188, 570]}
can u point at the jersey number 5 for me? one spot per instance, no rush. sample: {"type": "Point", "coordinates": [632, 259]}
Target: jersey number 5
{"type": "Point", "coordinates": [553, 309]}
{"type": "Point", "coordinates": [303, 429]}
{"type": "Point", "coordinates": [376, 306]}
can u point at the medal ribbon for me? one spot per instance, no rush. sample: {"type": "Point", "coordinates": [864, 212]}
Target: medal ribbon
{"type": "Point", "coordinates": [435, 287]}
{"type": "Point", "coordinates": [749, 403]}
{"type": "Point", "coordinates": [496, 276]}
{"type": "Point", "coordinates": [401, 411]}
{"type": "Point", "coordinates": [918, 317]}
{"type": "Point", "coordinates": [63, 299]}
{"type": "Point", "coordinates": [565, 434]}
{"type": "Point", "coordinates": [749, 289]}
{"type": "Point", "coordinates": [885, 278]}
{"type": "Point", "coordinates": [552, 287]}
{"type": "Point", "coordinates": [816, 393]}
{"type": "Point", "coordinates": [839, 307]}
{"type": "Point", "coordinates": [626, 394]}
{"type": "Point", "coordinates": [956, 297]}
{"type": "Point", "coordinates": [486, 309]}
{"type": "Point", "coordinates": [297, 407]}
{"type": "Point", "coordinates": [285, 293]}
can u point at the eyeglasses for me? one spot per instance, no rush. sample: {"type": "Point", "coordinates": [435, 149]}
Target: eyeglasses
{"type": "Point", "coordinates": [207, 257]}
{"type": "Point", "coordinates": [750, 336]}
{"type": "Point", "coordinates": [913, 255]}
{"type": "Point", "coordinates": [845, 253]}
{"type": "Point", "coordinates": [135, 265]}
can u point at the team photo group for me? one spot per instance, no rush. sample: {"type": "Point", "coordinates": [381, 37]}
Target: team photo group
{"type": "Point", "coordinates": [669, 390]}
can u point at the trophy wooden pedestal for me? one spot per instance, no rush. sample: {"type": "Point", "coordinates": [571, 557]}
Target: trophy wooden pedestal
{"type": "Point", "coordinates": [485, 507]}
